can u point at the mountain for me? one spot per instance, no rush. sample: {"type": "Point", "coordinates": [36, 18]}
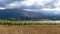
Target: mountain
{"type": "Point", "coordinates": [16, 13]}
{"type": "Point", "coordinates": [21, 14]}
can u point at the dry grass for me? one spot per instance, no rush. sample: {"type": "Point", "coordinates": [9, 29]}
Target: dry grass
{"type": "Point", "coordinates": [30, 29]}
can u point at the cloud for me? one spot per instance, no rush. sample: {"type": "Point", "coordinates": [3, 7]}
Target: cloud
{"type": "Point", "coordinates": [35, 4]}
{"type": "Point", "coordinates": [51, 9]}
{"type": "Point", "coordinates": [32, 5]}
{"type": "Point", "coordinates": [5, 2]}
{"type": "Point", "coordinates": [31, 10]}
{"type": "Point", "coordinates": [29, 3]}
{"type": "Point", "coordinates": [57, 3]}
{"type": "Point", "coordinates": [44, 9]}
{"type": "Point", "coordinates": [47, 6]}
{"type": "Point", "coordinates": [13, 5]}
{"type": "Point", "coordinates": [1, 8]}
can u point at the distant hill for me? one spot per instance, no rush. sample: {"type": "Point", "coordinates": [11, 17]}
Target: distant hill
{"type": "Point", "coordinates": [21, 14]}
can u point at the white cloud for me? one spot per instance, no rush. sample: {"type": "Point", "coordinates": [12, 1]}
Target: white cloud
{"type": "Point", "coordinates": [28, 3]}
{"type": "Point", "coordinates": [51, 9]}
{"type": "Point", "coordinates": [46, 10]}
{"type": "Point", "coordinates": [30, 10]}
{"type": "Point", "coordinates": [40, 4]}
{"type": "Point", "coordinates": [13, 5]}
{"type": "Point", "coordinates": [57, 3]}
{"type": "Point", "coordinates": [1, 8]}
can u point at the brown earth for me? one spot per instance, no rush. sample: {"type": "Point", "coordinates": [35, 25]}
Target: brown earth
{"type": "Point", "coordinates": [30, 29]}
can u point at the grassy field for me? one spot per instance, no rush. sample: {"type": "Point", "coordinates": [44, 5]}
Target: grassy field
{"type": "Point", "coordinates": [7, 22]}
{"type": "Point", "coordinates": [30, 27]}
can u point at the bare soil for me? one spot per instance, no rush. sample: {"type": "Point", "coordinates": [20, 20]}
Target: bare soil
{"type": "Point", "coordinates": [30, 29]}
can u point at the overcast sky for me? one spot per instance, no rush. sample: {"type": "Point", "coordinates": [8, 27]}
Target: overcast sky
{"type": "Point", "coordinates": [32, 5]}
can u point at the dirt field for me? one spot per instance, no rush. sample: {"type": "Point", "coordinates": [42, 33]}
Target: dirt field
{"type": "Point", "coordinates": [30, 29]}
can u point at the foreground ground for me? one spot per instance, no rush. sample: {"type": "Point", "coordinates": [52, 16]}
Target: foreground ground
{"type": "Point", "coordinates": [30, 29]}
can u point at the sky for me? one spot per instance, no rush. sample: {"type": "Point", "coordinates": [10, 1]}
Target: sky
{"type": "Point", "coordinates": [48, 6]}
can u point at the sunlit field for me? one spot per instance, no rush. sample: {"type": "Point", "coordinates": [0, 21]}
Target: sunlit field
{"type": "Point", "coordinates": [8, 22]}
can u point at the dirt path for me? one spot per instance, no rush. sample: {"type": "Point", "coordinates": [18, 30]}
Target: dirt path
{"type": "Point", "coordinates": [30, 29]}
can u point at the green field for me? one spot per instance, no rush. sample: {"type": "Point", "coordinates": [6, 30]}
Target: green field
{"type": "Point", "coordinates": [7, 22]}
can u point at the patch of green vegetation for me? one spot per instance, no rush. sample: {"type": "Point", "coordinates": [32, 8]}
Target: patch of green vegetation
{"type": "Point", "coordinates": [7, 22]}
